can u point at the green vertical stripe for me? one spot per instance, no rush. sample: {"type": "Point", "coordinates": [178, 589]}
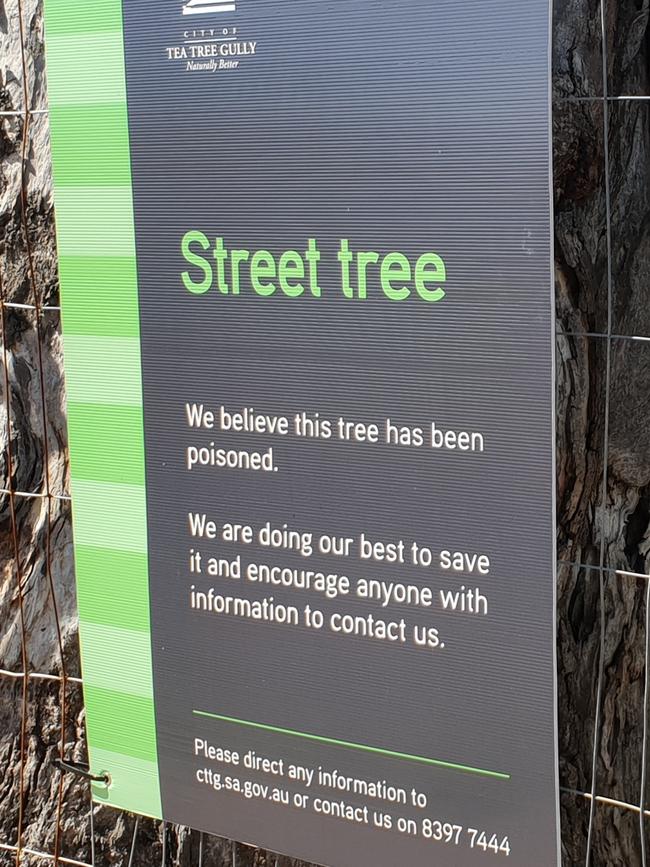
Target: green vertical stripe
{"type": "Point", "coordinates": [109, 515]}
{"type": "Point", "coordinates": [94, 220]}
{"type": "Point", "coordinates": [103, 370]}
{"type": "Point", "coordinates": [120, 722]}
{"type": "Point", "coordinates": [107, 648]}
{"type": "Point", "coordinates": [99, 295]}
{"type": "Point", "coordinates": [98, 274]}
{"type": "Point", "coordinates": [65, 17]}
{"type": "Point", "coordinates": [112, 590]}
{"type": "Point", "coordinates": [93, 145]}
{"type": "Point", "coordinates": [104, 436]}
{"type": "Point", "coordinates": [85, 68]}
{"type": "Point", "coordinates": [134, 784]}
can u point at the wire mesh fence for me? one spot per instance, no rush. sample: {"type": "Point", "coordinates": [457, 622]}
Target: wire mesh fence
{"type": "Point", "coordinates": [602, 199]}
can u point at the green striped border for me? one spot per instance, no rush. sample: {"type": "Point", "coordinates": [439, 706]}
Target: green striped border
{"type": "Point", "coordinates": [97, 269]}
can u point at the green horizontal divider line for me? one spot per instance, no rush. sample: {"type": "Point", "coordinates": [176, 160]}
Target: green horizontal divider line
{"type": "Point", "coordinates": [439, 763]}
{"type": "Point", "coordinates": [100, 310]}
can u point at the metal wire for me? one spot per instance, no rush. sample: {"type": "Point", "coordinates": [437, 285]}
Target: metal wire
{"type": "Point", "coordinates": [163, 860]}
{"type": "Point", "coordinates": [91, 822]}
{"type": "Point", "coordinates": [644, 748]}
{"type": "Point", "coordinates": [35, 675]}
{"type": "Point", "coordinates": [604, 493]}
{"type": "Point", "coordinates": [43, 856]}
{"type": "Point", "coordinates": [135, 834]}
{"type": "Point", "coordinates": [44, 417]}
{"type": "Point", "coordinates": [19, 578]}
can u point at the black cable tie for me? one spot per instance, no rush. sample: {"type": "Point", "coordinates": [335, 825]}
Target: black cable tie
{"type": "Point", "coordinates": [81, 770]}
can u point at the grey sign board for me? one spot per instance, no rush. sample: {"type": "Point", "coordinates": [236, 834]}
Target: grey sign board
{"type": "Point", "coordinates": [343, 235]}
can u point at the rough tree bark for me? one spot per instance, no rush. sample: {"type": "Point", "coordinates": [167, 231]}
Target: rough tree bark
{"type": "Point", "coordinates": [602, 421]}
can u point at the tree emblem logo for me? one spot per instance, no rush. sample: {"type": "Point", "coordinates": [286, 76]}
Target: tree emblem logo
{"type": "Point", "coordinates": [202, 7]}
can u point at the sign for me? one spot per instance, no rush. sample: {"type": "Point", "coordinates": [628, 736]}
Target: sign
{"type": "Point", "coordinates": [305, 255]}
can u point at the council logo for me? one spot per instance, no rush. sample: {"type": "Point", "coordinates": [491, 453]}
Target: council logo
{"type": "Point", "coordinates": [203, 7]}
{"type": "Point", "coordinates": [209, 45]}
